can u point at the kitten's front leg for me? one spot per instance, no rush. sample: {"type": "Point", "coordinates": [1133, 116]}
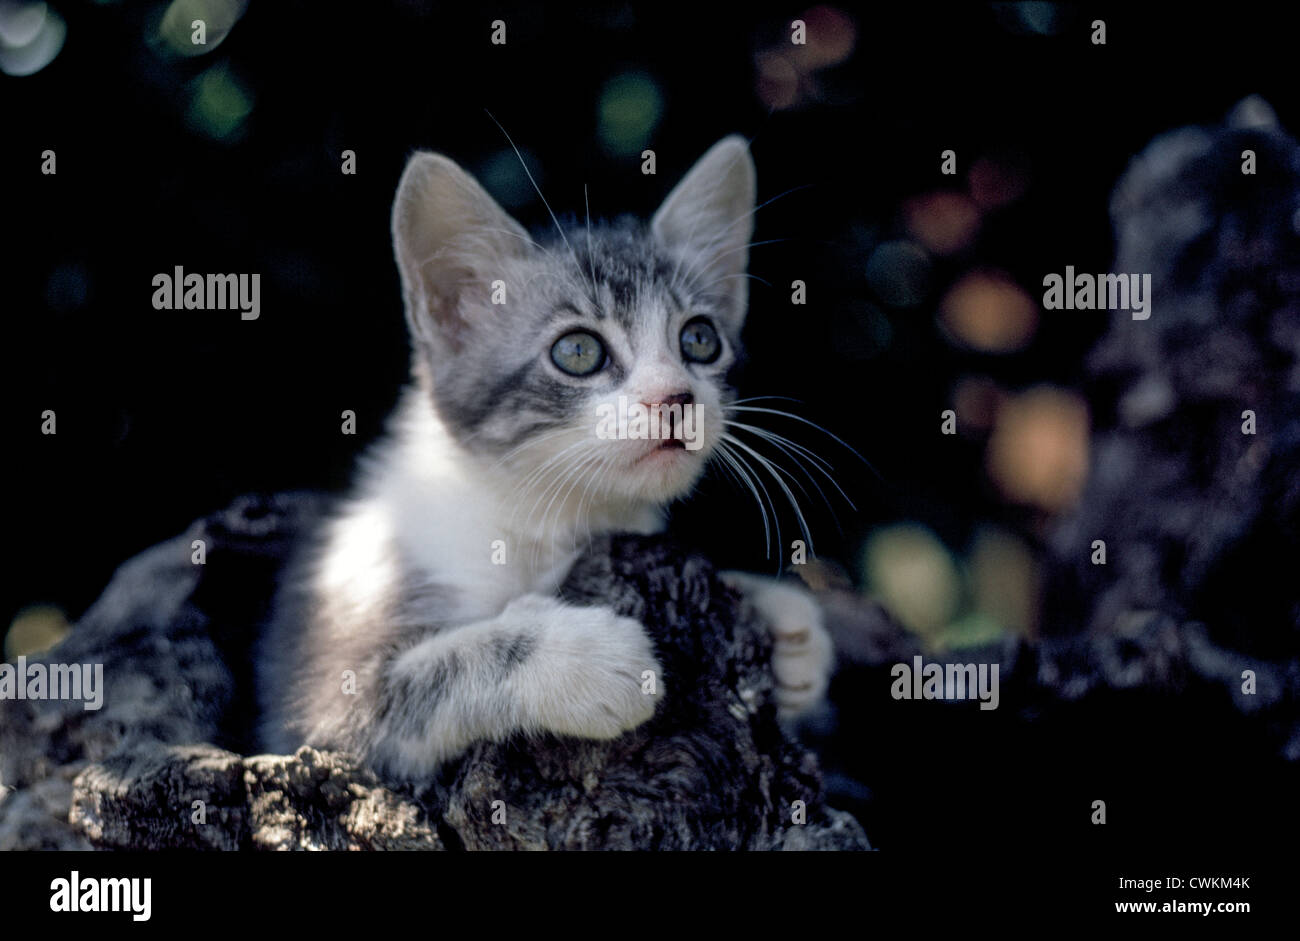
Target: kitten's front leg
{"type": "Point", "coordinates": [803, 654]}
{"type": "Point", "coordinates": [541, 665]}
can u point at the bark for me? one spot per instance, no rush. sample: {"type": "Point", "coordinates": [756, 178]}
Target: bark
{"type": "Point", "coordinates": [1195, 480]}
{"type": "Point", "coordinates": [162, 765]}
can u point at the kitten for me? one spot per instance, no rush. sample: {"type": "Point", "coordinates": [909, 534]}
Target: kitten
{"type": "Point", "coordinates": [398, 636]}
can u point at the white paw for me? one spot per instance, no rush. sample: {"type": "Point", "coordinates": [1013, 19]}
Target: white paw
{"type": "Point", "coordinates": [803, 654]}
{"type": "Point", "coordinates": [595, 674]}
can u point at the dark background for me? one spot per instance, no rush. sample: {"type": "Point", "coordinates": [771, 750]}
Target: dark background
{"type": "Point", "coordinates": [230, 162]}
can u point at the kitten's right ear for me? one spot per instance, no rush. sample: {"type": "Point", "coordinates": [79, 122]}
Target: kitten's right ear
{"type": "Point", "coordinates": [708, 219]}
{"type": "Point", "coordinates": [451, 240]}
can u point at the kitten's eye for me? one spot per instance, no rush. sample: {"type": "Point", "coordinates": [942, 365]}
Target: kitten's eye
{"type": "Point", "coordinates": [578, 353]}
{"type": "Point", "coordinates": [700, 343]}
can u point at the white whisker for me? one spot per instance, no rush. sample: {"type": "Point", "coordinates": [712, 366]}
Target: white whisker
{"type": "Point", "coordinates": [529, 173]}
{"type": "Point", "coordinates": [794, 449]}
{"type": "Point", "coordinates": [813, 424]}
{"type": "Point", "coordinates": [739, 464]}
{"type": "Point", "coordinates": [773, 469]}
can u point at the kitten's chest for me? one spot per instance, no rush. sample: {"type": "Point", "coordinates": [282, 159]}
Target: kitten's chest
{"type": "Point", "coordinates": [510, 571]}
{"type": "Point", "coordinates": [541, 567]}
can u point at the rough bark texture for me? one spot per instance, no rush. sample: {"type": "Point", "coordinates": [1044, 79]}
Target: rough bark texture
{"type": "Point", "coordinates": [713, 769]}
{"type": "Point", "coordinates": [1195, 481]}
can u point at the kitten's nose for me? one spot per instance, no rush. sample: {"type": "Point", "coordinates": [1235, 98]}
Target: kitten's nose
{"type": "Point", "coordinates": [674, 421]}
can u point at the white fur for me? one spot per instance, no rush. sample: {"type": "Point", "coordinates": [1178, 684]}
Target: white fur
{"type": "Point", "coordinates": [445, 508]}
{"type": "Point", "coordinates": [584, 679]}
{"type": "Point", "coordinates": [803, 653]}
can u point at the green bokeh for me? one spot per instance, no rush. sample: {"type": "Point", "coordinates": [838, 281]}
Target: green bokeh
{"type": "Point", "coordinates": [628, 111]}
{"type": "Point", "coordinates": [219, 104]}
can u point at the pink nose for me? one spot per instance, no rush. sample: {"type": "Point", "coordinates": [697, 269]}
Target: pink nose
{"type": "Point", "coordinates": [680, 398]}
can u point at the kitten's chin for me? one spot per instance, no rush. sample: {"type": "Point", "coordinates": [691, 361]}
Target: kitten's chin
{"type": "Point", "coordinates": [665, 472]}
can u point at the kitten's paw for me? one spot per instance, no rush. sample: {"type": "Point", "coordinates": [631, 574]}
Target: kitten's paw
{"type": "Point", "coordinates": [596, 674]}
{"type": "Point", "coordinates": [803, 654]}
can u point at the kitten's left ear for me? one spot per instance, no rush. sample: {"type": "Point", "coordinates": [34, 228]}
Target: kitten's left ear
{"type": "Point", "coordinates": [708, 220]}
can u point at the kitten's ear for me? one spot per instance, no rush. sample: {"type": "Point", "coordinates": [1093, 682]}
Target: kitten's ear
{"type": "Point", "coordinates": [451, 240]}
{"type": "Point", "coordinates": [708, 220]}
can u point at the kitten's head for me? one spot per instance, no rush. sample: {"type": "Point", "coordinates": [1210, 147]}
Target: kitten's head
{"type": "Point", "coordinates": [530, 348]}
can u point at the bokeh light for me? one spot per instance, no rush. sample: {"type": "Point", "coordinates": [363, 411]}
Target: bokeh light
{"type": "Point", "coordinates": [831, 36]}
{"type": "Point", "coordinates": [219, 104]}
{"type": "Point", "coordinates": [1031, 17]}
{"type": "Point", "coordinates": [785, 73]}
{"type": "Point", "coordinates": [31, 35]}
{"type": "Point", "coordinates": [776, 80]}
{"type": "Point", "coordinates": [176, 29]}
{"type": "Point", "coordinates": [504, 177]}
{"type": "Point", "coordinates": [989, 312]}
{"type": "Point", "coordinates": [976, 400]}
{"type": "Point", "coordinates": [1038, 452]}
{"type": "Point", "coordinates": [35, 629]}
{"type": "Point", "coordinates": [629, 109]}
{"type": "Point", "coordinates": [945, 223]}
{"type": "Point", "coordinates": [913, 575]}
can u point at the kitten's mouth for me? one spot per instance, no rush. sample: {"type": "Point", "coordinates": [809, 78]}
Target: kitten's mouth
{"type": "Point", "coordinates": [662, 449]}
